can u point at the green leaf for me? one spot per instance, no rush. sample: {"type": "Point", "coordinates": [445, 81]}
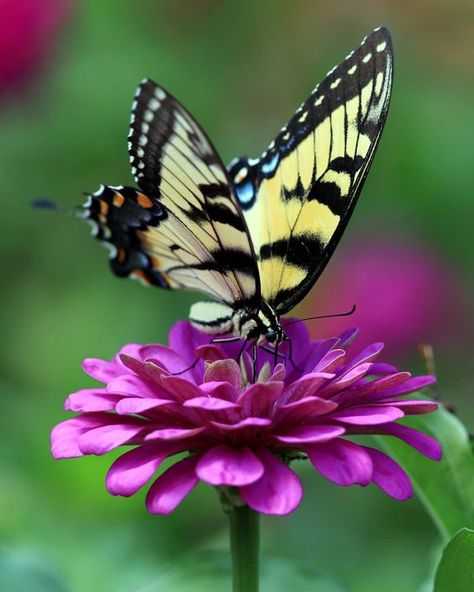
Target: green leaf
{"type": "Point", "coordinates": [211, 571]}
{"type": "Point", "coordinates": [446, 488]}
{"type": "Point", "coordinates": [456, 569]}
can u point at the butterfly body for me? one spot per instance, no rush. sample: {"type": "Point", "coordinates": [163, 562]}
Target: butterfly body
{"type": "Point", "coordinates": [255, 236]}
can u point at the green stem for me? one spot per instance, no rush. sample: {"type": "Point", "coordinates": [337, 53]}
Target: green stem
{"type": "Point", "coordinates": [244, 545]}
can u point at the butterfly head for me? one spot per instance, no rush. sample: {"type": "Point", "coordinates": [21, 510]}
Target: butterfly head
{"type": "Point", "coordinates": [268, 327]}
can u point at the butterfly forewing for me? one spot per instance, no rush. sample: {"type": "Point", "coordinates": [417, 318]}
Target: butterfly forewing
{"type": "Point", "coordinates": [200, 239]}
{"type": "Point", "coordinates": [297, 198]}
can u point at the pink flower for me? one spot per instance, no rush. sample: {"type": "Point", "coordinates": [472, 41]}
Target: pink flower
{"type": "Point", "coordinates": [404, 293]}
{"type": "Point", "coordinates": [28, 32]}
{"type": "Point", "coordinates": [242, 434]}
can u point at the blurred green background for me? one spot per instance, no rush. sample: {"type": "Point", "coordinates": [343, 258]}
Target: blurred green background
{"type": "Point", "coordinates": [241, 68]}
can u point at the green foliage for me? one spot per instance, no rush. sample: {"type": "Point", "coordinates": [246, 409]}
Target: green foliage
{"type": "Point", "coordinates": [210, 571]}
{"type": "Point", "coordinates": [456, 569]}
{"type": "Point", "coordinates": [447, 488]}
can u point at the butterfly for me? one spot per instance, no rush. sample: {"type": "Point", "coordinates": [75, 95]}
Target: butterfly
{"type": "Point", "coordinates": [255, 236]}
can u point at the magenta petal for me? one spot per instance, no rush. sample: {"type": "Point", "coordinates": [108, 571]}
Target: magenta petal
{"type": "Point", "coordinates": [368, 415]}
{"type": "Point", "coordinates": [248, 422]}
{"type": "Point", "coordinates": [173, 433]}
{"type": "Point", "coordinates": [224, 371]}
{"type": "Point", "coordinates": [180, 389]}
{"type": "Point", "coordinates": [91, 400]}
{"type": "Point", "coordinates": [221, 390]}
{"type": "Point", "coordinates": [411, 386]}
{"type": "Point", "coordinates": [134, 468]}
{"type": "Point", "coordinates": [277, 492]}
{"type": "Point", "coordinates": [210, 404]}
{"type": "Point", "coordinates": [209, 353]}
{"type": "Point", "coordinates": [389, 475]}
{"type": "Point", "coordinates": [302, 410]}
{"type": "Point", "coordinates": [367, 355]}
{"type": "Point", "coordinates": [104, 439]}
{"type": "Point", "coordinates": [223, 465]}
{"type": "Point", "coordinates": [259, 399]}
{"type": "Point", "coordinates": [414, 407]}
{"type": "Point", "coordinates": [313, 433]}
{"type": "Point", "coordinates": [306, 386]}
{"type": "Point", "coordinates": [342, 462]}
{"type": "Point", "coordinates": [102, 370]}
{"type": "Point", "coordinates": [169, 490]}
{"type": "Point", "coordinates": [65, 435]}
{"type": "Point", "coordinates": [130, 386]}
{"type": "Point", "coordinates": [165, 357]}
{"type": "Point", "coordinates": [136, 405]}
{"type": "Point", "coordinates": [425, 444]}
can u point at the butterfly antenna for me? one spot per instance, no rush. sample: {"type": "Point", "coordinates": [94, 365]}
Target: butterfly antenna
{"type": "Point", "coordinates": [193, 365]}
{"type": "Point", "coordinates": [44, 203]}
{"type": "Point", "coordinates": [290, 357]}
{"type": "Point", "coordinates": [329, 316]}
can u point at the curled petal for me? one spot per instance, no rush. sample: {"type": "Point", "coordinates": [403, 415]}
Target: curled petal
{"type": "Point", "coordinates": [221, 390]}
{"type": "Point", "coordinates": [104, 439]}
{"type": "Point", "coordinates": [277, 492]}
{"type": "Point", "coordinates": [368, 354]}
{"type": "Point", "coordinates": [134, 468]}
{"type": "Point", "coordinates": [224, 371]}
{"type": "Point", "coordinates": [139, 406]}
{"type": "Point", "coordinates": [169, 490]}
{"type": "Point", "coordinates": [91, 400]}
{"type": "Point", "coordinates": [65, 436]}
{"type": "Point", "coordinates": [311, 433]}
{"type": "Point", "coordinates": [102, 370]}
{"type": "Point", "coordinates": [389, 475]}
{"type": "Point", "coordinates": [223, 465]}
{"type": "Point", "coordinates": [342, 462]}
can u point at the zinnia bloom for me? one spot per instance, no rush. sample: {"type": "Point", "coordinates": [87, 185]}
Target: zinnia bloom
{"type": "Point", "coordinates": [240, 435]}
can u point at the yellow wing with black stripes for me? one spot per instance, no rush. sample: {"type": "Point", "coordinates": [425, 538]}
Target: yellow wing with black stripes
{"type": "Point", "coordinates": [298, 197]}
{"type": "Point", "coordinates": [183, 229]}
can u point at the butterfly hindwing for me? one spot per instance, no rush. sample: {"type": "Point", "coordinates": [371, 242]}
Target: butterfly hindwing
{"type": "Point", "coordinates": [185, 228]}
{"type": "Point", "coordinates": [298, 197]}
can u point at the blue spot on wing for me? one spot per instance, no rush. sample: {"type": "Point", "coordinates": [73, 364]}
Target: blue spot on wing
{"type": "Point", "coordinates": [245, 192]}
{"type": "Point", "coordinates": [269, 166]}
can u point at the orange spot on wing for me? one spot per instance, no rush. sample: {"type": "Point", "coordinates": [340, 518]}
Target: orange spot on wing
{"type": "Point", "coordinates": [121, 255]}
{"type": "Point", "coordinates": [118, 200]}
{"type": "Point", "coordinates": [144, 201]}
{"type": "Point", "coordinates": [140, 275]}
{"type": "Point", "coordinates": [104, 207]}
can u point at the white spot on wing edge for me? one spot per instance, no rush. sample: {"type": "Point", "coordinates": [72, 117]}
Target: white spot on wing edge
{"type": "Point", "coordinates": [381, 46]}
{"type": "Point", "coordinates": [336, 83]}
{"type": "Point", "coordinates": [367, 58]}
{"type": "Point", "coordinates": [160, 94]}
{"type": "Point", "coordinates": [318, 101]}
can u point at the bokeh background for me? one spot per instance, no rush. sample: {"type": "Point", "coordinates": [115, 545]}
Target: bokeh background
{"type": "Point", "coordinates": [68, 70]}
